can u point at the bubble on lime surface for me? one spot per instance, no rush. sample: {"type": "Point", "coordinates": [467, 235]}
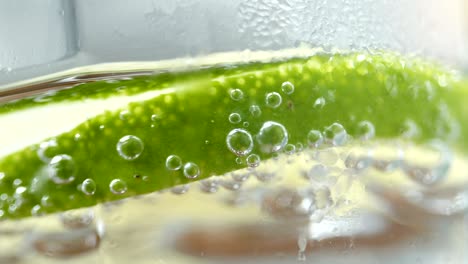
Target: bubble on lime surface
{"type": "Point", "coordinates": [319, 103]}
{"type": "Point", "coordinates": [46, 150]}
{"type": "Point", "coordinates": [130, 147]}
{"type": "Point", "coordinates": [314, 138]}
{"type": "Point", "coordinates": [235, 118]}
{"type": "Point", "coordinates": [62, 169]}
{"type": "Point", "coordinates": [255, 110]}
{"type": "Point", "coordinates": [173, 162]}
{"type": "Point", "coordinates": [336, 134]}
{"type": "Point", "coordinates": [118, 186]}
{"type": "Point", "coordinates": [236, 94]}
{"type": "Point", "coordinates": [287, 88]}
{"type": "Point", "coordinates": [365, 130]}
{"type": "Point", "coordinates": [273, 99]}
{"type": "Point", "coordinates": [240, 142]}
{"type": "Point", "coordinates": [88, 186]}
{"type": "Point", "coordinates": [272, 137]}
{"type": "Point", "coordinates": [191, 170]}
{"type": "Point", "coordinates": [253, 160]}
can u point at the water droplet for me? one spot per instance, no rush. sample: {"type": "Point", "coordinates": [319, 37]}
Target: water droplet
{"type": "Point", "coordinates": [255, 110]}
{"type": "Point", "coordinates": [130, 147]}
{"type": "Point", "coordinates": [181, 189]}
{"type": "Point", "coordinates": [336, 134]}
{"type": "Point", "coordinates": [287, 88]}
{"type": "Point", "coordinates": [273, 99]}
{"type": "Point", "coordinates": [289, 149]}
{"type": "Point", "coordinates": [319, 103]}
{"type": "Point", "coordinates": [117, 186]}
{"type": "Point", "coordinates": [236, 94]}
{"type": "Point", "coordinates": [365, 130]}
{"type": "Point", "coordinates": [62, 169]}
{"type": "Point", "coordinates": [239, 142]}
{"type": "Point", "coordinates": [191, 170]}
{"type": "Point", "coordinates": [47, 150]}
{"type": "Point", "coordinates": [173, 162]}
{"type": "Point", "coordinates": [235, 118]}
{"type": "Point", "coordinates": [88, 187]}
{"type": "Point", "coordinates": [314, 138]}
{"type": "Point", "coordinates": [272, 137]}
{"type": "Point", "coordinates": [253, 160]}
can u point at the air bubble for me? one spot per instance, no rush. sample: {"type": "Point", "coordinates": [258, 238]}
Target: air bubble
{"type": "Point", "coordinates": [117, 186]}
{"type": "Point", "coordinates": [181, 189]}
{"type": "Point", "coordinates": [130, 147]}
{"type": "Point", "coordinates": [253, 160]}
{"type": "Point", "coordinates": [210, 185]}
{"type": "Point", "coordinates": [239, 142]}
{"type": "Point", "coordinates": [273, 99]}
{"type": "Point", "coordinates": [431, 165]}
{"type": "Point", "coordinates": [314, 138]}
{"type": "Point", "coordinates": [287, 88]}
{"type": "Point", "coordinates": [47, 150]}
{"type": "Point", "coordinates": [235, 118]}
{"type": "Point", "coordinates": [88, 187]}
{"type": "Point", "coordinates": [236, 94]}
{"type": "Point", "coordinates": [62, 169]}
{"type": "Point", "coordinates": [173, 162]}
{"type": "Point", "coordinates": [272, 137]}
{"type": "Point", "coordinates": [191, 170]}
{"type": "Point", "coordinates": [319, 103]}
{"type": "Point", "coordinates": [255, 110]}
{"type": "Point", "coordinates": [336, 134]}
{"type": "Point", "coordinates": [366, 130]}
{"type": "Point", "coordinates": [289, 149]}
{"type": "Point", "coordinates": [239, 176]}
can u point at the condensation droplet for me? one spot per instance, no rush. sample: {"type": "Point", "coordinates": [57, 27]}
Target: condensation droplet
{"type": "Point", "coordinates": [130, 147]}
{"type": "Point", "coordinates": [239, 142]}
{"type": "Point", "coordinates": [62, 169]}
{"type": "Point", "coordinates": [191, 170]}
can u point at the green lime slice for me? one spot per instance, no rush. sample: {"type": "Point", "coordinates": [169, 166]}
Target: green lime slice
{"type": "Point", "coordinates": [107, 140]}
